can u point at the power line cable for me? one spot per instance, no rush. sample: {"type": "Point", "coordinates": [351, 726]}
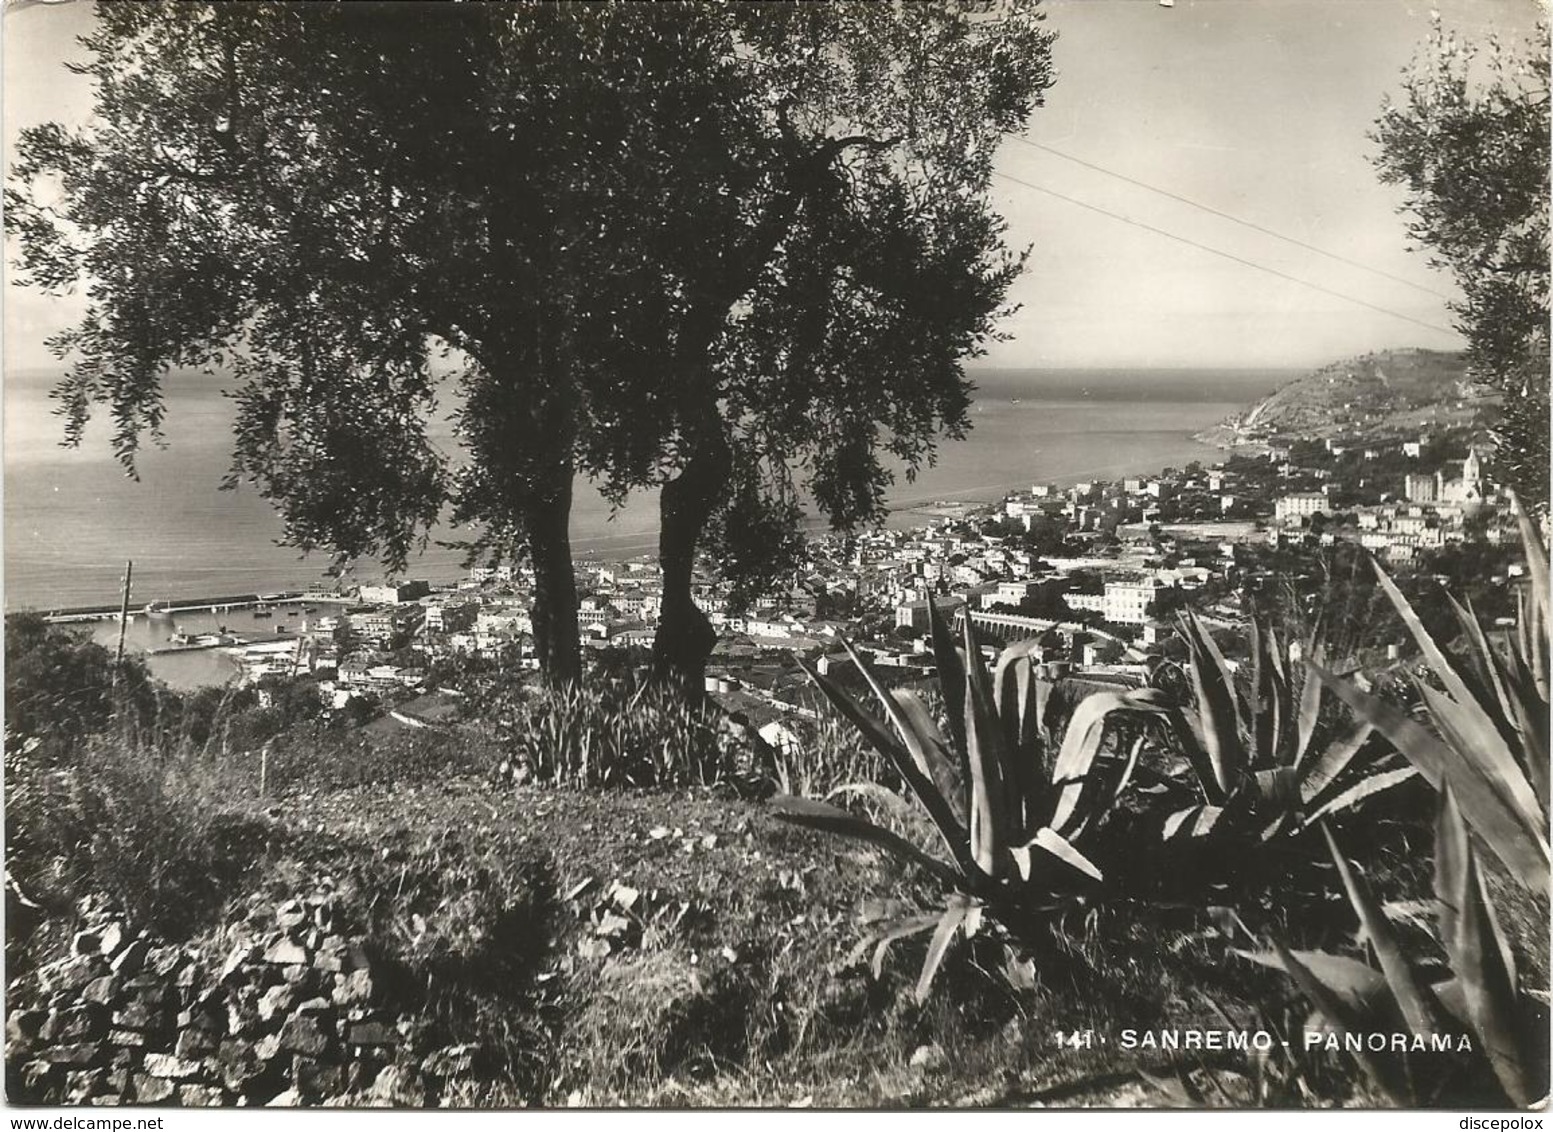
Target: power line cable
{"type": "Point", "coordinates": [1227, 255]}
{"type": "Point", "coordinates": [1232, 218]}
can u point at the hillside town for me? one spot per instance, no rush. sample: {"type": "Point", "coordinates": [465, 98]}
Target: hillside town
{"type": "Point", "coordinates": [1095, 572]}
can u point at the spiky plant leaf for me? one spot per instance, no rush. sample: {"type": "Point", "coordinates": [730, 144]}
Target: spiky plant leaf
{"type": "Point", "coordinates": [819, 815]}
{"type": "Point", "coordinates": [942, 764]}
{"type": "Point", "coordinates": [1194, 821]}
{"type": "Point", "coordinates": [1278, 787]}
{"type": "Point", "coordinates": [1482, 962]}
{"type": "Point", "coordinates": [1452, 847]}
{"type": "Point", "coordinates": [1436, 657]}
{"type": "Point", "coordinates": [938, 946]}
{"type": "Point", "coordinates": [951, 680]}
{"type": "Point", "coordinates": [901, 929]}
{"type": "Point", "coordinates": [1218, 707]}
{"type": "Point", "coordinates": [1054, 844]}
{"type": "Point", "coordinates": [1365, 788]}
{"type": "Point", "coordinates": [1536, 561]}
{"type": "Point", "coordinates": [937, 808]}
{"type": "Point", "coordinates": [1475, 738]}
{"type": "Point", "coordinates": [1309, 710]}
{"type": "Point", "coordinates": [1418, 1007]}
{"type": "Point", "coordinates": [886, 797]}
{"type": "Point", "coordinates": [1019, 698]}
{"type": "Point", "coordinates": [1499, 825]}
{"type": "Point", "coordinates": [987, 754]}
{"type": "Point", "coordinates": [1361, 988]}
{"type": "Point", "coordinates": [1338, 1015]}
{"type": "Point", "coordinates": [1333, 760]}
{"type": "Point", "coordinates": [1081, 744]}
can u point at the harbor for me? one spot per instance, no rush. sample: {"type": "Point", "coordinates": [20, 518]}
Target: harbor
{"type": "Point", "coordinates": [188, 606]}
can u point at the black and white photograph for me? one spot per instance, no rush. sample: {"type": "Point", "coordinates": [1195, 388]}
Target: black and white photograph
{"type": "Point", "coordinates": [838, 555]}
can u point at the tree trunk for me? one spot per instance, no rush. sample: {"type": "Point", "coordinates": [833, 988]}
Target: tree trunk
{"type": "Point", "coordinates": [685, 637]}
{"type": "Point", "coordinates": [556, 639]}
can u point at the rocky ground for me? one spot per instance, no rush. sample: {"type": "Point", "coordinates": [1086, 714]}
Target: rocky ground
{"type": "Point", "coordinates": [458, 944]}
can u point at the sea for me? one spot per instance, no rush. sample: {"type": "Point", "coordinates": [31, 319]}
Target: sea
{"type": "Point", "coordinates": [74, 518]}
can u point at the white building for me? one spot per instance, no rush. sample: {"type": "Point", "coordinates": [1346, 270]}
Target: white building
{"type": "Point", "coordinates": [1127, 602]}
{"type": "Point", "coordinates": [1300, 505]}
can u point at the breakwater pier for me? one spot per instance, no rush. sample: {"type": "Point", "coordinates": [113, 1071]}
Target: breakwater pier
{"type": "Point", "coordinates": [191, 605]}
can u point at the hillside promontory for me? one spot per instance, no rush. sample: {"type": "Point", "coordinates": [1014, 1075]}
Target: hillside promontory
{"type": "Point", "coordinates": [1388, 391]}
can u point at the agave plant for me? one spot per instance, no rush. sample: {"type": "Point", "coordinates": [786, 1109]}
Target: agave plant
{"type": "Point", "coordinates": [1009, 810]}
{"type": "Point", "coordinates": [1489, 739]}
{"type": "Point", "coordinates": [1253, 747]}
{"type": "Point", "coordinates": [1480, 999]}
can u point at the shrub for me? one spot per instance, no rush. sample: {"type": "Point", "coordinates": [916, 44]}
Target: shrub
{"type": "Point", "coordinates": [615, 732]}
{"type": "Point", "coordinates": [324, 757]}
{"type": "Point", "coordinates": [153, 830]}
{"type": "Point", "coordinates": [1008, 800]}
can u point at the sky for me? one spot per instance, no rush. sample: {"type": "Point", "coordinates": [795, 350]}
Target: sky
{"type": "Point", "coordinates": [1256, 109]}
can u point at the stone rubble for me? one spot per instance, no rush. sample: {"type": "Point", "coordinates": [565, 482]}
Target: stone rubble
{"type": "Point", "coordinates": [294, 1016]}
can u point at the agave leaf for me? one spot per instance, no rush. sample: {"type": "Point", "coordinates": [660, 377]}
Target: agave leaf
{"type": "Point", "coordinates": [1489, 814]}
{"type": "Point", "coordinates": [901, 929]}
{"type": "Point", "coordinates": [1511, 697]}
{"type": "Point", "coordinates": [1194, 821]}
{"type": "Point", "coordinates": [1334, 759]}
{"type": "Point", "coordinates": [1310, 704]}
{"type": "Point", "coordinates": [1278, 787]}
{"type": "Point", "coordinates": [1337, 1013]}
{"type": "Point", "coordinates": [951, 680]}
{"type": "Point", "coordinates": [1536, 559]}
{"type": "Point", "coordinates": [1452, 847]}
{"type": "Point", "coordinates": [1012, 678]}
{"type": "Point", "coordinates": [1469, 726]}
{"type": "Point", "coordinates": [1418, 1007]}
{"type": "Point", "coordinates": [943, 934]}
{"type": "Point", "coordinates": [1218, 706]}
{"type": "Point", "coordinates": [830, 819]}
{"type": "Point", "coordinates": [1438, 661]}
{"type": "Point", "coordinates": [1057, 846]}
{"type": "Point", "coordinates": [1189, 736]}
{"type": "Point", "coordinates": [1479, 741]}
{"type": "Point", "coordinates": [1528, 713]}
{"type": "Point", "coordinates": [1080, 745]}
{"type": "Point", "coordinates": [987, 754]}
{"type": "Point", "coordinates": [1489, 689]}
{"type": "Point", "coordinates": [1258, 717]}
{"type": "Point", "coordinates": [886, 744]}
{"type": "Point", "coordinates": [1361, 988]}
{"type": "Point", "coordinates": [943, 766]}
{"type": "Point", "coordinates": [1452, 996]}
{"type": "Point", "coordinates": [886, 797]}
{"type": "Point", "coordinates": [1359, 791]}
{"type": "Point", "coordinates": [1020, 704]}
{"type": "Point", "coordinates": [1481, 959]}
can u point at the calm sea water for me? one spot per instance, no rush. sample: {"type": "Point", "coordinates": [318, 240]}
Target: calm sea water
{"type": "Point", "coordinates": [72, 517]}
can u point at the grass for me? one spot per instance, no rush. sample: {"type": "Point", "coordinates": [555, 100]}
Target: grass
{"type": "Point", "coordinates": [739, 973]}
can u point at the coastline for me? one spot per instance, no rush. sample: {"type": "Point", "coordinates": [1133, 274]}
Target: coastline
{"type": "Point", "coordinates": [903, 514]}
{"type": "Point", "coordinates": [67, 537]}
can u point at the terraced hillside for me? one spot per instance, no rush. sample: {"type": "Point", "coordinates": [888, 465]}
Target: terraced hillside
{"type": "Point", "coordinates": [1391, 389]}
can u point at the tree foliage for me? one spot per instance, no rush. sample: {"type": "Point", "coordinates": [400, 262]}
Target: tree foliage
{"type": "Point", "coordinates": [727, 250]}
{"type": "Point", "coordinates": [1468, 139]}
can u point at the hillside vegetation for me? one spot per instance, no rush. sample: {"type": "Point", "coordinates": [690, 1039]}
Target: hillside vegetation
{"type": "Point", "coordinates": [1396, 389]}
